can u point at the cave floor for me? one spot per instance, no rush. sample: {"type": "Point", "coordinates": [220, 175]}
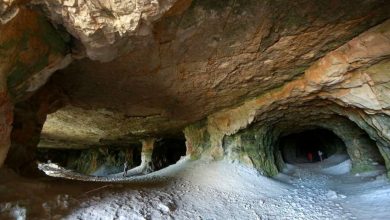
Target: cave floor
{"type": "Point", "coordinates": [204, 190]}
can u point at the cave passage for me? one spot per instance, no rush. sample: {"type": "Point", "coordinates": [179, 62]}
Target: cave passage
{"type": "Point", "coordinates": [167, 152]}
{"type": "Point", "coordinates": [109, 160]}
{"type": "Point", "coordinates": [100, 161]}
{"type": "Point", "coordinates": [296, 147]}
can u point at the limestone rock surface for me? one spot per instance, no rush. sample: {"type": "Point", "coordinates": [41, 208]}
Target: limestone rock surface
{"type": "Point", "coordinates": [234, 76]}
{"type": "Point", "coordinates": [204, 58]}
{"type": "Point", "coordinates": [106, 27]}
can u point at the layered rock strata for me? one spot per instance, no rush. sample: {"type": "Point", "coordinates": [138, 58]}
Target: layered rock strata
{"type": "Point", "coordinates": [235, 76]}
{"type": "Point", "coordinates": [351, 81]}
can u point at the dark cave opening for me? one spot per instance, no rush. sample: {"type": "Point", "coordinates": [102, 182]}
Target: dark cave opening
{"type": "Point", "coordinates": [98, 161]}
{"type": "Point", "coordinates": [167, 152]}
{"type": "Point", "coordinates": [306, 146]}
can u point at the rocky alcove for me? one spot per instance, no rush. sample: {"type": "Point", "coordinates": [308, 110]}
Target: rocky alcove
{"type": "Point", "coordinates": [167, 152]}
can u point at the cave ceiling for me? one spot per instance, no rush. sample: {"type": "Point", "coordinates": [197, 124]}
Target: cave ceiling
{"type": "Point", "coordinates": [141, 70]}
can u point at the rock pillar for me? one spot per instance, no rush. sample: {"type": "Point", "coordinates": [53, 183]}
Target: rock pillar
{"type": "Point", "coordinates": [146, 155]}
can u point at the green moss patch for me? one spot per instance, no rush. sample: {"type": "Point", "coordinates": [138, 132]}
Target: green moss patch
{"type": "Point", "coordinates": [199, 137]}
{"type": "Point", "coordinates": [255, 143]}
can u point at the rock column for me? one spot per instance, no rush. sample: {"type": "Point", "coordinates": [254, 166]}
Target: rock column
{"type": "Point", "coordinates": [146, 159]}
{"type": "Point", "coordinates": [146, 155]}
{"type": "Point", "coordinates": [29, 118]}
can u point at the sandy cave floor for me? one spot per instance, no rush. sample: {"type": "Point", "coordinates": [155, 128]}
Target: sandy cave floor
{"type": "Point", "coordinates": [204, 190]}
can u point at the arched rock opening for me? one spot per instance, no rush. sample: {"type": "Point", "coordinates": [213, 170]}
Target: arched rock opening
{"type": "Point", "coordinates": [167, 152]}
{"type": "Point", "coordinates": [98, 161]}
{"type": "Point", "coordinates": [39, 118]}
{"type": "Point", "coordinates": [258, 145]}
{"type": "Point", "coordinates": [29, 118]}
{"type": "Point", "coordinates": [303, 147]}
{"type": "Point", "coordinates": [361, 148]}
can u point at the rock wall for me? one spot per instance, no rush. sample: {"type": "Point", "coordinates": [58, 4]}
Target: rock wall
{"type": "Point", "coordinates": [8, 11]}
{"type": "Point", "coordinates": [31, 49]}
{"type": "Point", "coordinates": [197, 139]}
{"type": "Point", "coordinates": [6, 118]}
{"type": "Point", "coordinates": [29, 117]}
{"type": "Point", "coordinates": [253, 146]}
{"type": "Point", "coordinates": [106, 28]}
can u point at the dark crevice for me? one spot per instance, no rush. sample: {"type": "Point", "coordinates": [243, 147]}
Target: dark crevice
{"type": "Point", "coordinates": [303, 147]}
{"type": "Point", "coordinates": [167, 152]}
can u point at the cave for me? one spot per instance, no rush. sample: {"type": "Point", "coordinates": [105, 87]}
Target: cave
{"type": "Point", "coordinates": [167, 152]}
{"type": "Point", "coordinates": [101, 161]}
{"type": "Point", "coordinates": [296, 147]}
{"type": "Point", "coordinates": [193, 109]}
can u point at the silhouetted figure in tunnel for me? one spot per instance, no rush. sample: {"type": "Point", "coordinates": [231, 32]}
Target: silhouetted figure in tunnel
{"type": "Point", "coordinates": [310, 156]}
{"type": "Point", "coordinates": [125, 168]}
{"type": "Point", "coordinates": [320, 155]}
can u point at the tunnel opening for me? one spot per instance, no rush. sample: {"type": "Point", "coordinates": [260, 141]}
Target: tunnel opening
{"type": "Point", "coordinates": [98, 161]}
{"type": "Point", "coordinates": [311, 146]}
{"type": "Point", "coordinates": [167, 152]}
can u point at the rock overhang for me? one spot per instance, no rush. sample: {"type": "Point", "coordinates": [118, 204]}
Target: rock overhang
{"type": "Point", "coordinates": [214, 68]}
{"type": "Point", "coordinates": [206, 58]}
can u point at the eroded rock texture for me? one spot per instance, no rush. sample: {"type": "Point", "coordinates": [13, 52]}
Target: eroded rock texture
{"type": "Point", "coordinates": [31, 50]}
{"type": "Point", "coordinates": [6, 116]}
{"type": "Point", "coordinates": [350, 82]}
{"type": "Point", "coordinates": [29, 117]}
{"type": "Point", "coordinates": [106, 28]}
{"type": "Point", "coordinates": [234, 76]}
{"type": "Point", "coordinates": [210, 56]}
